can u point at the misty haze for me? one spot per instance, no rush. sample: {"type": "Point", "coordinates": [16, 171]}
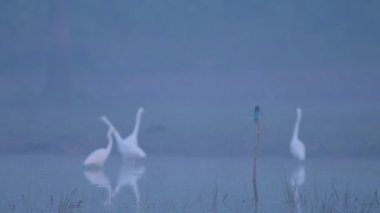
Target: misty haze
{"type": "Point", "coordinates": [189, 106]}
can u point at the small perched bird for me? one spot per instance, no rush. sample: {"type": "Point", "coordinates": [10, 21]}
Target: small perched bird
{"type": "Point", "coordinates": [257, 114]}
{"type": "Point", "coordinates": [297, 148]}
{"type": "Point", "coordinates": [99, 156]}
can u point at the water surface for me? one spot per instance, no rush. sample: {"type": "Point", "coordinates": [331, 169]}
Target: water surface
{"type": "Point", "coordinates": [45, 183]}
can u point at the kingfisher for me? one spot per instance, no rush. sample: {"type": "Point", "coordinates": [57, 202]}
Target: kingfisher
{"type": "Point", "coordinates": [257, 114]}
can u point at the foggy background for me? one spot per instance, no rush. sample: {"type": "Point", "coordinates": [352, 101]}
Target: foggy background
{"type": "Point", "coordinates": [198, 67]}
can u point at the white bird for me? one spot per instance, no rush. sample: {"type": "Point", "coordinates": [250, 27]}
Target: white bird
{"type": "Point", "coordinates": [99, 156]}
{"type": "Point", "coordinates": [129, 146]}
{"type": "Point", "coordinates": [297, 148]}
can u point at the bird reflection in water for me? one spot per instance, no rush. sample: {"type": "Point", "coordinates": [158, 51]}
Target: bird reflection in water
{"type": "Point", "coordinates": [129, 175]}
{"type": "Point", "coordinates": [297, 178]}
{"type": "Point", "coordinates": [99, 178]}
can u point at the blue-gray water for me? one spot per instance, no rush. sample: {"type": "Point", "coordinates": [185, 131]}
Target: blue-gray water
{"type": "Point", "coordinates": [40, 183]}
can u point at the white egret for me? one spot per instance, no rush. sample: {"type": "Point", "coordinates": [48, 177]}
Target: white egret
{"type": "Point", "coordinates": [128, 146]}
{"type": "Point", "coordinates": [297, 148]}
{"type": "Point", "coordinates": [99, 156]}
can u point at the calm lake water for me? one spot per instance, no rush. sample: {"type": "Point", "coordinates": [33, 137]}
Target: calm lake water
{"type": "Point", "coordinates": [47, 183]}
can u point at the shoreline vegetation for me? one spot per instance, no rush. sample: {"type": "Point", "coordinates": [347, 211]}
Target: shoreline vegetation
{"type": "Point", "coordinates": [213, 199]}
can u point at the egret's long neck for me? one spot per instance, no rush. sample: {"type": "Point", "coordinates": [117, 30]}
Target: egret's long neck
{"type": "Point", "coordinates": [110, 142]}
{"type": "Point", "coordinates": [297, 126]}
{"type": "Point", "coordinates": [114, 130]}
{"type": "Point", "coordinates": [137, 125]}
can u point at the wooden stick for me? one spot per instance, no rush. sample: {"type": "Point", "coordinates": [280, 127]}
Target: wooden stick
{"type": "Point", "coordinates": [254, 179]}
